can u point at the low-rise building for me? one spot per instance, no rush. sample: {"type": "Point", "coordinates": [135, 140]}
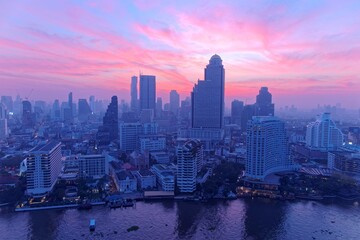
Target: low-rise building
{"type": "Point", "coordinates": [125, 182]}
{"type": "Point", "coordinates": [344, 161]}
{"type": "Point", "coordinates": [93, 166]}
{"type": "Point", "coordinates": [146, 179]}
{"type": "Point", "coordinates": [165, 176]}
{"type": "Point", "coordinates": [160, 157]}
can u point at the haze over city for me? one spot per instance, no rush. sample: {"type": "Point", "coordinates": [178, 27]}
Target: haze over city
{"type": "Point", "coordinates": [306, 52]}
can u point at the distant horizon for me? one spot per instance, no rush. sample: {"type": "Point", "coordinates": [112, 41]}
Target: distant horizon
{"type": "Point", "coordinates": [306, 53]}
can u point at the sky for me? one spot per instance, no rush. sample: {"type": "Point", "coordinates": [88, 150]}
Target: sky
{"type": "Point", "coordinates": [306, 52]}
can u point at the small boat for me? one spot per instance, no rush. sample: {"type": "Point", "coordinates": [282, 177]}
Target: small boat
{"type": "Point", "coordinates": [92, 225]}
{"type": "Point", "coordinates": [128, 203]}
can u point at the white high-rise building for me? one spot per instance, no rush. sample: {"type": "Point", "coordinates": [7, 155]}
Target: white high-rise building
{"type": "Point", "coordinates": [189, 162]}
{"type": "Point", "coordinates": [43, 168]}
{"type": "Point", "coordinates": [323, 134]}
{"type": "Point", "coordinates": [267, 149]}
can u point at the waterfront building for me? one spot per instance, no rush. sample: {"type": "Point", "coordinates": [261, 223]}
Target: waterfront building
{"type": "Point", "coordinates": [189, 160]}
{"type": "Point", "coordinates": [125, 181]}
{"type": "Point", "coordinates": [344, 161]}
{"type": "Point", "coordinates": [165, 176]}
{"type": "Point", "coordinates": [92, 166]}
{"type": "Point", "coordinates": [267, 148]}
{"type": "Point", "coordinates": [323, 134]}
{"type": "Point", "coordinates": [43, 167]}
{"type": "Point", "coordinates": [160, 157]}
{"type": "Point", "coordinates": [146, 179]}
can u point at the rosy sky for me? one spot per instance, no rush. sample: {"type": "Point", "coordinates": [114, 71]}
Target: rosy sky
{"type": "Point", "coordinates": [306, 52]}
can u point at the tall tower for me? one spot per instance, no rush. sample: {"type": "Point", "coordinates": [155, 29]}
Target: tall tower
{"type": "Point", "coordinates": [174, 101]}
{"type": "Point", "coordinates": [208, 97]}
{"type": "Point", "coordinates": [264, 105]}
{"type": "Point", "coordinates": [27, 116]}
{"type": "Point", "coordinates": [147, 92]}
{"type": "Point", "coordinates": [134, 94]}
{"type": "Point", "coordinates": [266, 147]}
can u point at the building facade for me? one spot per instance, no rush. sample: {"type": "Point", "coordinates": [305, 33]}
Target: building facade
{"type": "Point", "coordinates": [267, 148]}
{"type": "Point", "coordinates": [323, 135]}
{"type": "Point", "coordinates": [92, 166]}
{"type": "Point", "coordinates": [147, 92]}
{"type": "Point", "coordinates": [43, 168]}
{"type": "Point", "coordinates": [207, 97]}
{"type": "Point", "coordinates": [189, 160]}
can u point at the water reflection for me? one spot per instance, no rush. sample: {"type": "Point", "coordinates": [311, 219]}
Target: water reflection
{"type": "Point", "coordinates": [264, 218]}
{"type": "Point", "coordinates": [44, 224]}
{"type": "Point", "coordinates": [187, 218]}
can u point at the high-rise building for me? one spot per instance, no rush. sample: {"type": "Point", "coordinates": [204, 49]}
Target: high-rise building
{"type": "Point", "coordinates": [267, 149]}
{"type": "Point", "coordinates": [84, 110]}
{"type": "Point", "coordinates": [129, 136]}
{"type": "Point", "coordinates": [147, 92]}
{"type": "Point", "coordinates": [92, 103]}
{"type": "Point", "coordinates": [174, 101]}
{"type": "Point", "coordinates": [109, 131]}
{"type": "Point", "coordinates": [71, 107]}
{"type": "Point", "coordinates": [208, 97]}
{"type": "Point", "coordinates": [264, 105]}
{"type": "Point", "coordinates": [8, 102]}
{"type": "Point", "coordinates": [43, 167]}
{"type": "Point", "coordinates": [189, 162]}
{"type": "Point", "coordinates": [56, 112]}
{"type": "Point", "coordinates": [159, 107]}
{"type": "Point", "coordinates": [27, 116]}
{"type": "Point", "coordinates": [237, 108]}
{"type": "Point", "coordinates": [3, 122]}
{"type": "Point", "coordinates": [323, 135]}
{"type": "Point", "coordinates": [134, 94]}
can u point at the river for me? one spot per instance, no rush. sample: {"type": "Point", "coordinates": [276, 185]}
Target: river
{"type": "Point", "coordinates": [237, 219]}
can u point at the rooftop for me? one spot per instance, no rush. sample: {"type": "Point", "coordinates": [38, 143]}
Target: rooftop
{"type": "Point", "coordinates": [45, 147]}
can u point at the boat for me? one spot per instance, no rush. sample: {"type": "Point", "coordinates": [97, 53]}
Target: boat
{"type": "Point", "coordinates": [92, 225]}
{"type": "Point", "coordinates": [128, 203]}
{"type": "Point", "coordinates": [116, 204]}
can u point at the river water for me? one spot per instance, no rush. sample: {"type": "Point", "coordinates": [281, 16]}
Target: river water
{"type": "Point", "coordinates": [237, 219]}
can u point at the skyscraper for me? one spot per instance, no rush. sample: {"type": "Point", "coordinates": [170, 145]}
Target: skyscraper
{"type": "Point", "coordinates": [264, 105]}
{"type": "Point", "coordinates": [323, 135]}
{"type": "Point", "coordinates": [84, 110]}
{"type": "Point", "coordinates": [3, 122]}
{"type": "Point", "coordinates": [147, 92]}
{"type": "Point", "coordinates": [134, 94]}
{"type": "Point", "coordinates": [237, 108]}
{"type": "Point", "coordinates": [27, 116]}
{"type": "Point", "coordinates": [43, 167]}
{"type": "Point", "coordinates": [92, 103]}
{"type": "Point", "coordinates": [159, 107]}
{"type": "Point", "coordinates": [109, 131]}
{"type": "Point", "coordinates": [208, 96]}
{"type": "Point", "coordinates": [267, 150]}
{"type": "Point", "coordinates": [174, 101]}
{"type": "Point", "coordinates": [56, 113]}
{"type": "Point", "coordinates": [189, 161]}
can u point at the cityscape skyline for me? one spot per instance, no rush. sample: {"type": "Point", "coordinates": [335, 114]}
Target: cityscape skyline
{"type": "Point", "coordinates": [288, 47]}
